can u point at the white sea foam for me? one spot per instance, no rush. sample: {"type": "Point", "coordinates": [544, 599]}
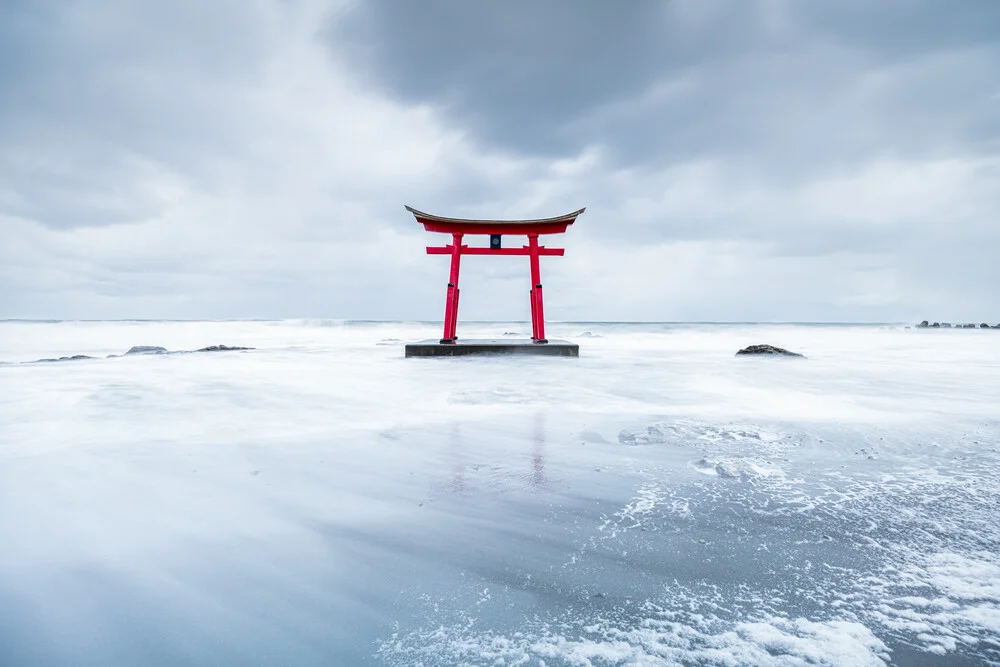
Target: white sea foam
{"type": "Point", "coordinates": [656, 501]}
{"type": "Point", "coordinates": [652, 636]}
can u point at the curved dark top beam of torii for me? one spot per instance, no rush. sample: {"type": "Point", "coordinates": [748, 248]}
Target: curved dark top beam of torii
{"type": "Point", "coordinates": [437, 223]}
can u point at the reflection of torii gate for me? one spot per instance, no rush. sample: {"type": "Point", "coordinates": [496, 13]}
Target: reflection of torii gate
{"type": "Point", "coordinates": [457, 449]}
{"type": "Point", "coordinates": [496, 229]}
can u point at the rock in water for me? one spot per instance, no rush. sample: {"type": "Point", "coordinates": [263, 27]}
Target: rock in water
{"type": "Point", "coordinates": [75, 357]}
{"type": "Point", "coordinates": [984, 326]}
{"type": "Point", "coordinates": [768, 349]}
{"type": "Point", "coordinates": [222, 348]}
{"type": "Point", "coordinates": [146, 349]}
{"type": "Point", "coordinates": [924, 324]}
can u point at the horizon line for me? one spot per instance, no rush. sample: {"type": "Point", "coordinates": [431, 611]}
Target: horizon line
{"type": "Point", "coordinates": [436, 322]}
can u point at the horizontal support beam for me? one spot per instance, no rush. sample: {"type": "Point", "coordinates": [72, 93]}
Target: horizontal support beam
{"type": "Point", "coordinates": [466, 250]}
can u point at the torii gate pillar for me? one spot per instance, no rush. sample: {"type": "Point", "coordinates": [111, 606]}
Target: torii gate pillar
{"type": "Point", "coordinates": [458, 228]}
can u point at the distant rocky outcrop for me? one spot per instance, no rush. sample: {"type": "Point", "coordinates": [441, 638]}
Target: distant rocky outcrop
{"type": "Point", "coordinates": [146, 349]}
{"type": "Point", "coordinates": [149, 349]}
{"type": "Point", "coordinates": [768, 350]}
{"type": "Point", "coordinates": [946, 325]}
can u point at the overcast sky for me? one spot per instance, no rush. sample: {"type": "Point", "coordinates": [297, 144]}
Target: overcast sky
{"type": "Point", "coordinates": [781, 160]}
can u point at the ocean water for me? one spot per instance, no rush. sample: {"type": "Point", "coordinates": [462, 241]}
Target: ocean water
{"type": "Point", "coordinates": [320, 500]}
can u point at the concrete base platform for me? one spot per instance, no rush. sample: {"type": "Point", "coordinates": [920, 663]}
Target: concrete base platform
{"type": "Point", "coordinates": [435, 348]}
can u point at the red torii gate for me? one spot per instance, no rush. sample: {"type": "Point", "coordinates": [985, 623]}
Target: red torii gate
{"type": "Point", "coordinates": [496, 229]}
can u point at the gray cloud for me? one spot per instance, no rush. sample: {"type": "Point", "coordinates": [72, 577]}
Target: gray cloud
{"type": "Point", "coordinates": [251, 159]}
{"type": "Point", "coordinates": [517, 74]}
{"type": "Point", "coordinates": [99, 95]}
{"type": "Point", "coordinates": [778, 85]}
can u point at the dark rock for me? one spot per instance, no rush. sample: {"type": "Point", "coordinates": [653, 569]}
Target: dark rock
{"type": "Point", "coordinates": [222, 348]}
{"type": "Point", "coordinates": [923, 325]}
{"type": "Point", "coordinates": [146, 349]}
{"type": "Point", "coordinates": [768, 350]}
{"type": "Point", "coordinates": [996, 326]}
{"type": "Point", "coordinates": [984, 326]}
{"type": "Point", "coordinates": [937, 325]}
{"type": "Point", "coordinates": [75, 357]}
{"type": "Point", "coordinates": [968, 326]}
{"type": "Point", "coordinates": [946, 325]}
